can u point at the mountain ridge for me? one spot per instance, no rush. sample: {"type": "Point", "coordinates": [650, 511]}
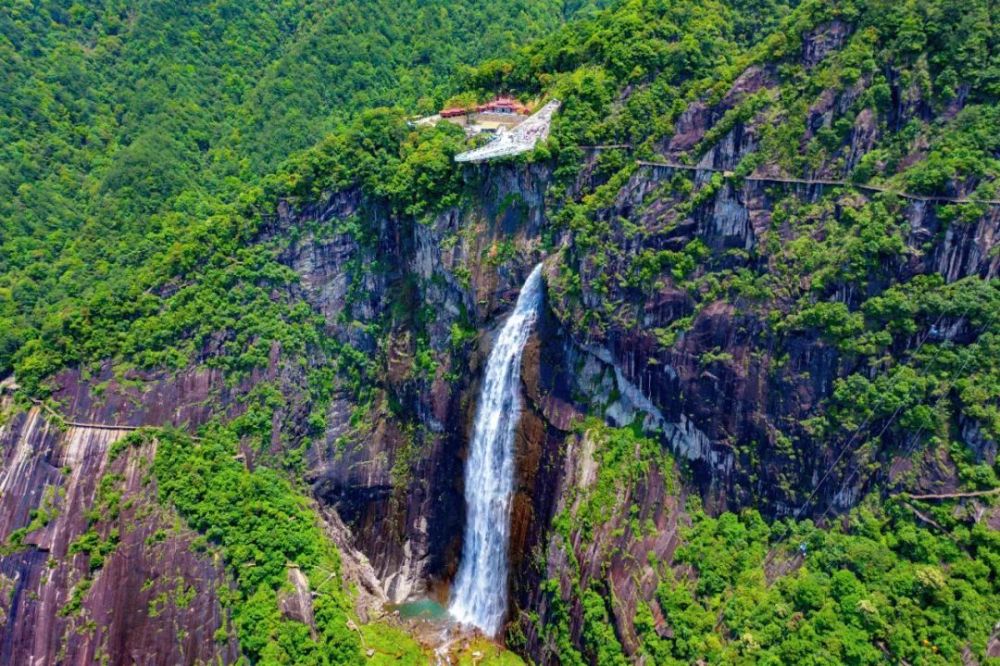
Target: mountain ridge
{"type": "Point", "coordinates": [760, 418]}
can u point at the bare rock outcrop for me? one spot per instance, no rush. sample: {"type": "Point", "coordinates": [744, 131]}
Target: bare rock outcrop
{"type": "Point", "coordinates": [94, 568]}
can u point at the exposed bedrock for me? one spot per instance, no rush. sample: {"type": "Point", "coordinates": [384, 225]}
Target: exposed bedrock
{"type": "Point", "coordinates": [392, 469]}
{"type": "Point", "coordinates": [154, 597]}
{"type": "Point", "coordinates": [420, 302]}
{"type": "Point", "coordinates": [395, 475]}
{"type": "Point", "coordinates": [396, 480]}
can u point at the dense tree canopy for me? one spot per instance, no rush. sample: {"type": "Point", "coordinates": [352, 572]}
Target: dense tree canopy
{"type": "Point", "coordinates": [124, 127]}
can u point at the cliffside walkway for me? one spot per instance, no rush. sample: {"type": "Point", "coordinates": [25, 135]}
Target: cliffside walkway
{"type": "Point", "coordinates": [519, 140]}
{"type": "Point", "coordinates": [98, 426]}
{"type": "Point", "coordinates": [81, 424]}
{"type": "Point", "coordinates": [944, 496]}
{"type": "Point", "coordinates": [823, 182]}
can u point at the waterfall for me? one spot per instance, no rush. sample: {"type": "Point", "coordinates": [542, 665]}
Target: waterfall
{"type": "Point", "coordinates": [479, 596]}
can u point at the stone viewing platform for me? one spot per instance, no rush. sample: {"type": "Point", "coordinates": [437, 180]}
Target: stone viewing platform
{"type": "Point", "coordinates": [521, 139]}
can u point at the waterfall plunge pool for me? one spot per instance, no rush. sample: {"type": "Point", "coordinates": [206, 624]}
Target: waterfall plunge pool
{"type": "Point", "coordinates": [420, 609]}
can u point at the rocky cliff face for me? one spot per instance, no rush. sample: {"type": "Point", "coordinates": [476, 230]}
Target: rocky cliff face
{"type": "Point", "coordinates": [393, 467]}
{"type": "Point", "coordinates": [718, 395]}
{"type": "Point", "coordinates": [391, 464]}
{"type": "Point", "coordinates": [412, 306]}
{"type": "Point", "coordinates": [396, 477]}
{"type": "Point", "coordinates": [95, 569]}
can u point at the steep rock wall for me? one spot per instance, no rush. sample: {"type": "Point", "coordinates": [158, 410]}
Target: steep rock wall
{"type": "Point", "coordinates": [153, 596]}
{"type": "Point", "coordinates": [392, 468]}
{"type": "Point", "coordinates": [395, 474]}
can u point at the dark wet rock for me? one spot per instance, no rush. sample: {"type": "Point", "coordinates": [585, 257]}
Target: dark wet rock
{"type": "Point", "coordinates": [983, 447]}
{"type": "Point", "coordinates": [823, 41]}
{"type": "Point", "coordinates": [694, 122]}
{"type": "Point", "coordinates": [185, 399]}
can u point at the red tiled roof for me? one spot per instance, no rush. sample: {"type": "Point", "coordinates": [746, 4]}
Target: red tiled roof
{"type": "Point", "coordinates": [497, 103]}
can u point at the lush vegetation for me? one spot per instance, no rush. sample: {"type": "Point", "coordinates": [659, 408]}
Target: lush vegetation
{"type": "Point", "coordinates": [881, 585]}
{"type": "Point", "coordinates": [915, 352]}
{"type": "Point", "coordinates": [133, 140]}
{"type": "Point", "coordinates": [139, 153]}
{"type": "Point", "coordinates": [260, 524]}
{"type": "Point", "coordinates": [840, 267]}
{"type": "Point", "coordinates": [600, 519]}
{"type": "Point", "coordinates": [902, 579]}
{"type": "Point", "coordinates": [262, 528]}
{"type": "Point", "coordinates": [143, 150]}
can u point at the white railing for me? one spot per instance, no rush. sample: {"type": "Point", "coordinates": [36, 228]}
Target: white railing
{"type": "Point", "coordinates": [521, 139]}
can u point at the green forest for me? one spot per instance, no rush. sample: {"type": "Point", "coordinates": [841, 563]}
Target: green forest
{"type": "Point", "coordinates": [149, 153]}
{"type": "Point", "coordinates": [130, 132]}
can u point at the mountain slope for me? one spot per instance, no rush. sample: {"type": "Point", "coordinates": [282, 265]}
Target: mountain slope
{"type": "Point", "coordinates": [761, 405]}
{"type": "Point", "coordinates": [123, 125]}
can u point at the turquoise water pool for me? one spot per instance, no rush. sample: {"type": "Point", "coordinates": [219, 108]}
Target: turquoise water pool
{"type": "Point", "coordinates": [421, 609]}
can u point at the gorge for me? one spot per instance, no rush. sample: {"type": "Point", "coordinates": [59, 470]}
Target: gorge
{"type": "Point", "coordinates": [705, 370]}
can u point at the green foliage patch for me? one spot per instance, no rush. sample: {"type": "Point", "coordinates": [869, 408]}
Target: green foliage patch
{"type": "Point", "coordinates": [262, 526]}
{"type": "Point", "coordinates": [881, 586]}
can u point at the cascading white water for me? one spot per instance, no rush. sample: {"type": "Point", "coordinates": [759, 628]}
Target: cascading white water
{"type": "Point", "coordinates": [479, 596]}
